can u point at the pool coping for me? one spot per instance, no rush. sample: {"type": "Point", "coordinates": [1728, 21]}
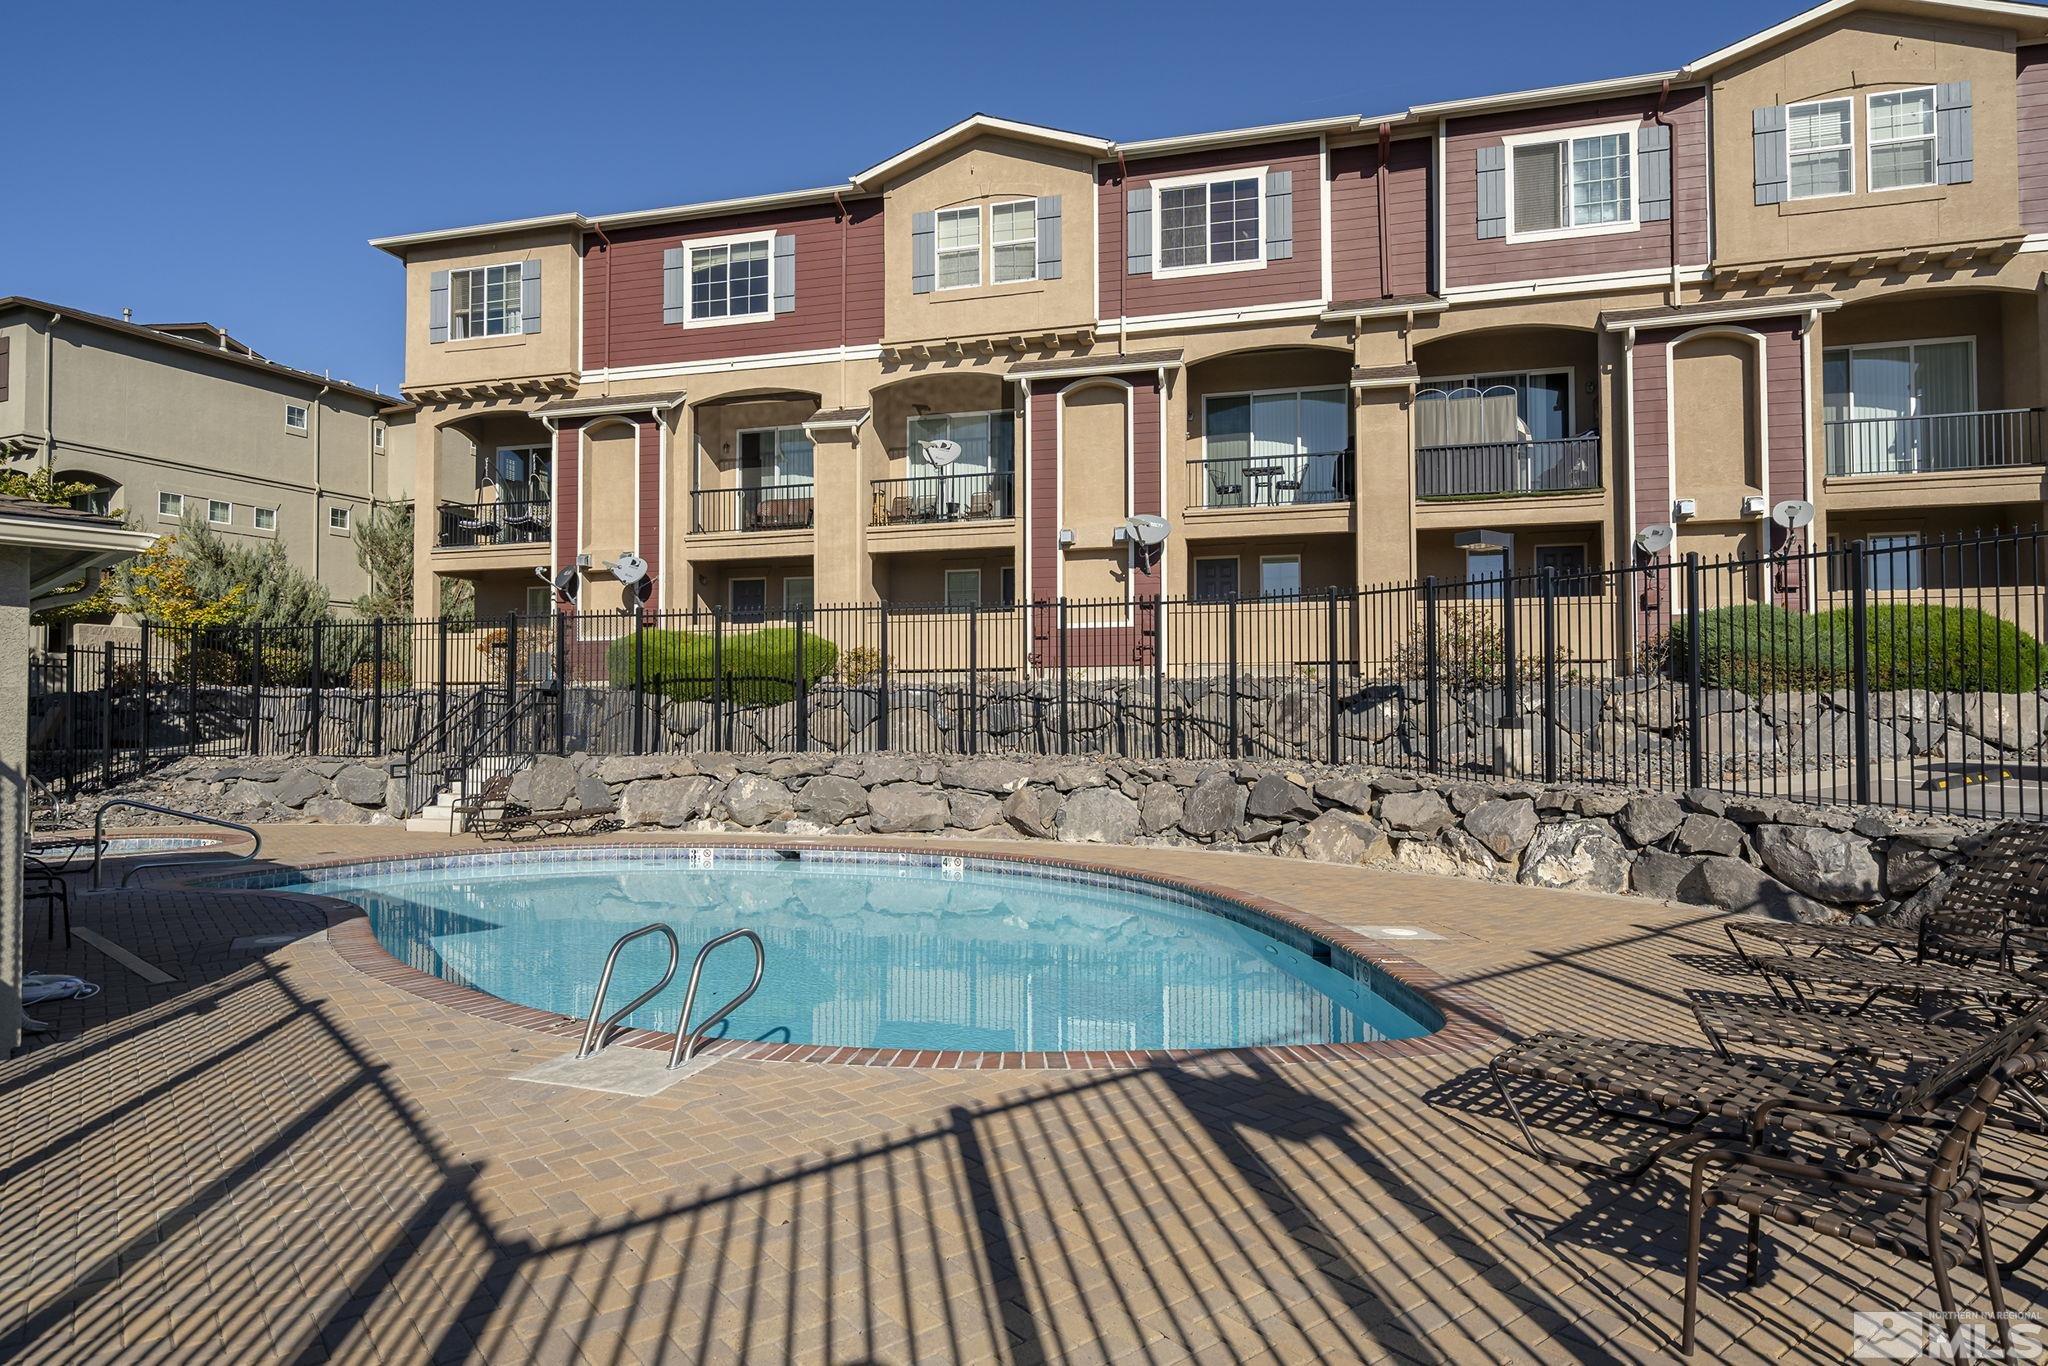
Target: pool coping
{"type": "Point", "coordinates": [1469, 1021]}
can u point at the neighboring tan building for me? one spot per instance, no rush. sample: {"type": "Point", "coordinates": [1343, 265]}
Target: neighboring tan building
{"type": "Point", "coordinates": [181, 417]}
{"type": "Point", "coordinates": [1517, 329]}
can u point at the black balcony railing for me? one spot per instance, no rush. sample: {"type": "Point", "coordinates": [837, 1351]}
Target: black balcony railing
{"type": "Point", "coordinates": [1498, 469]}
{"type": "Point", "coordinates": [968, 496]}
{"type": "Point", "coordinates": [771, 507]}
{"type": "Point", "coordinates": [478, 524]}
{"type": "Point", "coordinates": [1267, 481]}
{"type": "Point", "coordinates": [1935, 443]}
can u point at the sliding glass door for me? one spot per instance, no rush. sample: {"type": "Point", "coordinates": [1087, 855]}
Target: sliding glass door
{"type": "Point", "coordinates": [1275, 448]}
{"type": "Point", "coordinates": [1883, 406]}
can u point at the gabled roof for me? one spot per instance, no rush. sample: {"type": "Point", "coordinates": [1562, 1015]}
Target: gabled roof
{"type": "Point", "coordinates": [2033, 18]}
{"type": "Point", "coordinates": [970, 128]}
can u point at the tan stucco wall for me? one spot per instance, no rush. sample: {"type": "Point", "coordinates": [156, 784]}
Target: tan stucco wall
{"type": "Point", "coordinates": [551, 351]}
{"type": "Point", "coordinates": [1857, 56]}
{"type": "Point", "coordinates": [981, 173]}
{"type": "Point", "coordinates": [1094, 443]}
{"type": "Point", "coordinates": [610, 505]}
{"type": "Point", "coordinates": [1716, 432]}
{"type": "Point", "coordinates": [922, 578]}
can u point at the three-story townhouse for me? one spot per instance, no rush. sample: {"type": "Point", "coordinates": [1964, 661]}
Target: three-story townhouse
{"type": "Point", "coordinates": [1504, 333]}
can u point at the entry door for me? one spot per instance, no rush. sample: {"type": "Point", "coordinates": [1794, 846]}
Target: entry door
{"type": "Point", "coordinates": [1215, 579]}
{"type": "Point", "coordinates": [749, 599]}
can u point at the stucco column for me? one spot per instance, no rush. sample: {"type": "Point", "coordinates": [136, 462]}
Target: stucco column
{"type": "Point", "coordinates": [1383, 497]}
{"type": "Point", "coordinates": [14, 644]}
{"type": "Point", "coordinates": [426, 520]}
{"type": "Point", "coordinates": [840, 571]}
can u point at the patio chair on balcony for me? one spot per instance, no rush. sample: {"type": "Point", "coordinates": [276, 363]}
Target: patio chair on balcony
{"type": "Point", "coordinates": [980, 507]}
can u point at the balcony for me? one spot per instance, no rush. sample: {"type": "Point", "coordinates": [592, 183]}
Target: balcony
{"type": "Point", "coordinates": [465, 526]}
{"type": "Point", "coordinates": [1934, 444]}
{"type": "Point", "coordinates": [943, 499]}
{"type": "Point", "coordinates": [769, 507]}
{"type": "Point", "coordinates": [1508, 469]}
{"type": "Point", "coordinates": [1257, 481]}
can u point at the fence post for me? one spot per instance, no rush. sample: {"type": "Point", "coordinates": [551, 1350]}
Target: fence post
{"type": "Point", "coordinates": [377, 686]}
{"type": "Point", "coordinates": [1230, 675]}
{"type": "Point", "coordinates": [562, 681]}
{"type": "Point", "coordinates": [192, 690]}
{"type": "Point", "coordinates": [1511, 669]}
{"type": "Point", "coordinates": [107, 715]}
{"type": "Point", "coordinates": [639, 685]}
{"type": "Point", "coordinates": [717, 678]}
{"type": "Point", "coordinates": [142, 740]}
{"type": "Point", "coordinates": [1066, 736]}
{"type": "Point", "coordinates": [441, 676]}
{"type": "Point", "coordinates": [1695, 702]}
{"type": "Point", "coordinates": [803, 689]}
{"type": "Point", "coordinates": [511, 670]}
{"type": "Point", "coordinates": [256, 688]}
{"type": "Point", "coordinates": [315, 703]}
{"type": "Point", "coordinates": [1159, 675]}
{"type": "Point", "coordinates": [1549, 674]}
{"type": "Point", "coordinates": [973, 727]}
{"type": "Point", "coordinates": [1859, 662]}
{"type": "Point", "coordinates": [882, 679]}
{"type": "Point", "coordinates": [71, 736]}
{"type": "Point", "coordinates": [1431, 674]}
{"type": "Point", "coordinates": [1330, 632]}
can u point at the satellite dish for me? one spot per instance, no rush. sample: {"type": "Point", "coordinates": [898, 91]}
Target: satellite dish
{"type": "Point", "coordinates": [940, 453]}
{"type": "Point", "coordinates": [1652, 539]}
{"type": "Point", "coordinates": [1148, 530]}
{"type": "Point", "coordinates": [1793, 514]}
{"type": "Point", "coordinates": [565, 582]}
{"type": "Point", "coordinates": [628, 568]}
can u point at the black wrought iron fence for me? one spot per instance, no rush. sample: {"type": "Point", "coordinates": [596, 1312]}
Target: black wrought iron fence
{"type": "Point", "coordinates": [1889, 671]}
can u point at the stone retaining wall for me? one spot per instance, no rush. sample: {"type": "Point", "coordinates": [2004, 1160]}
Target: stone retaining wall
{"type": "Point", "coordinates": [1697, 847]}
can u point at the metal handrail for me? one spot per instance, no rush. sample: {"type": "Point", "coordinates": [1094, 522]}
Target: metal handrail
{"type": "Point", "coordinates": [99, 839]}
{"type": "Point", "coordinates": [677, 1053]}
{"type": "Point", "coordinates": [602, 1033]}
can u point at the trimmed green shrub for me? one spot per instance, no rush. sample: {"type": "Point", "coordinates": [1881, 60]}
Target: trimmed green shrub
{"type": "Point", "coordinates": [759, 666]}
{"type": "Point", "coordinates": [1762, 649]}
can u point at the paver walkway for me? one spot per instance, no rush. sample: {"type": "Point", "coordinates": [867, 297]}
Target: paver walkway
{"type": "Point", "coordinates": [279, 1158]}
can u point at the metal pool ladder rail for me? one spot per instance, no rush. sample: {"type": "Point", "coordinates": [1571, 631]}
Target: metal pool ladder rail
{"type": "Point", "coordinates": [595, 1035]}
{"type": "Point", "coordinates": [686, 1047]}
{"type": "Point", "coordinates": [99, 840]}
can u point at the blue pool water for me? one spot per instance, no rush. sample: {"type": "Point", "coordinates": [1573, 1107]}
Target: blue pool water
{"type": "Point", "coordinates": [882, 951]}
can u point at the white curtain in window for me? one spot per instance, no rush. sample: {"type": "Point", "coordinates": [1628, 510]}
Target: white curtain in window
{"type": "Point", "coordinates": [792, 457]}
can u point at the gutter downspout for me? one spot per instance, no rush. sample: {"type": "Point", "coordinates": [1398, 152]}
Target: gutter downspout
{"type": "Point", "coordinates": [319, 488]}
{"type": "Point", "coordinates": [845, 226]}
{"type": "Point", "coordinates": [50, 393]}
{"type": "Point", "coordinates": [1380, 177]}
{"type": "Point", "coordinates": [596, 228]}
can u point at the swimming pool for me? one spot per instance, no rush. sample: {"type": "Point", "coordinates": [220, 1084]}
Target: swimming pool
{"type": "Point", "coordinates": [880, 950]}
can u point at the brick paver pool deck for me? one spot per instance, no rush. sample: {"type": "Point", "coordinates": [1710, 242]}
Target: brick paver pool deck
{"type": "Point", "coordinates": [281, 1156]}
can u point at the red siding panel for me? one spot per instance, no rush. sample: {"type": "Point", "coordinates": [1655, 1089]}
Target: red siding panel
{"type": "Point", "coordinates": [1042, 512]}
{"type": "Point", "coordinates": [1294, 280]}
{"type": "Point", "coordinates": [568, 476]}
{"type": "Point", "coordinates": [1355, 266]}
{"type": "Point", "coordinates": [2033, 138]}
{"type": "Point", "coordinates": [1784, 381]}
{"type": "Point", "coordinates": [1469, 260]}
{"type": "Point", "coordinates": [835, 306]}
{"type": "Point", "coordinates": [1649, 411]}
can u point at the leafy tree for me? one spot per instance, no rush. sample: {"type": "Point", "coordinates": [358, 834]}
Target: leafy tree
{"type": "Point", "coordinates": [42, 486]}
{"type": "Point", "coordinates": [384, 547]}
{"type": "Point", "coordinates": [157, 586]}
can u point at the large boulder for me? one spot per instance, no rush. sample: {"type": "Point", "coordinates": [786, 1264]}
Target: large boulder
{"type": "Point", "coordinates": [1649, 818]}
{"type": "Point", "coordinates": [1586, 855]}
{"type": "Point", "coordinates": [668, 802]}
{"type": "Point", "coordinates": [2009, 721]}
{"type": "Point", "coordinates": [1097, 815]}
{"type": "Point", "coordinates": [1700, 833]}
{"type": "Point", "coordinates": [1033, 810]}
{"type": "Point", "coordinates": [335, 811]}
{"type": "Point", "coordinates": [364, 786]}
{"type": "Point", "coordinates": [896, 808]}
{"type": "Point", "coordinates": [1503, 826]}
{"type": "Point", "coordinates": [997, 777]}
{"type": "Point", "coordinates": [1418, 813]}
{"type": "Point", "coordinates": [973, 810]}
{"type": "Point", "coordinates": [1341, 837]}
{"type": "Point", "coordinates": [754, 800]}
{"type": "Point", "coordinates": [1353, 794]}
{"type": "Point", "coordinates": [829, 800]}
{"type": "Point", "coordinates": [1735, 885]}
{"type": "Point", "coordinates": [1828, 865]}
{"type": "Point", "coordinates": [1275, 798]}
{"type": "Point", "coordinates": [297, 786]}
{"type": "Point", "coordinates": [1159, 808]}
{"type": "Point", "coordinates": [1659, 875]}
{"type": "Point", "coordinates": [1215, 807]}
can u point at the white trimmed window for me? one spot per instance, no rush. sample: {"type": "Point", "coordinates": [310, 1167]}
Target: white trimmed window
{"type": "Point", "coordinates": [1013, 241]}
{"type": "Point", "coordinates": [220, 513]}
{"type": "Point", "coordinates": [963, 588]}
{"type": "Point", "coordinates": [170, 505]}
{"type": "Point", "coordinates": [959, 248]}
{"type": "Point", "coordinates": [1571, 183]}
{"type": "Point", "coordinates": [1902, 139]}
{"type": "Point", "coordinates": [729, 280]}
{"type": "Point", "coordinates": [1279, 576]}
{"type": "Point", "coordinates": [483, 301]}
{"type": "Point", "coordinates": [1820, 149]}
{"type": "Point", "coordinates": [337, 519]}
{"type": "Point", "coordinates": [1211, 224]}
{"type": "Point", "coordinates": [798, 594]}
{"type": "Point", "coordinates": [265, 519]}
{"type": "Point", "coordinates": [377, 436]}
{"type": "Point", "coordinates": [295, 417]}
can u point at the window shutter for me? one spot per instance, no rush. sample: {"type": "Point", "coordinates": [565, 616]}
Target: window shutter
{"type": "Point", "coordinates": [1049, 237]}
{"type": "Point", "coordinates": [1767, 137]}
{"type": "Point", "coordinates": [529, 296]}
{"type": "Point", "coordinates": [1954, 144]}
{"type": "Point", "coordinates": [437, 307]}
{"type": "Point", "coordinates": [785, 273]}
{"type": "Point", "coordinates": [1138, 231]}
{"type": "Point", "coordinates": [924, 257]}
{"type": "Point", "coordinates": [1279, 215]}
{"type": "Point", "coordinates": [675, 287]}
{"type": "Point", "coordinates": [1653, 172]}
{"type": "Point", "coordinates": [1492, 210]}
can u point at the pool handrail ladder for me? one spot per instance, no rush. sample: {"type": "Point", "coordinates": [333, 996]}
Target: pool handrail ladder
{"type": "Point", "coordinates": [596, 1035]}
{"type": "Point", "coordinates": [99, 840]}
{"type": "Point", "coordinates": [678, 1053]}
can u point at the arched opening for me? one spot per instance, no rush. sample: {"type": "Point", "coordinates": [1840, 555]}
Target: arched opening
{"type": "Point", "coordinates": [972, 477]}
{"type": "Point", "coordinates": [1269, 428]}
{"type": "Point", "coordinates": [1507, 411]}
{"type": "Point", "coordinates": [754, 465]}
{"type": "Point", "coordinates": [494, 474]}
{"type": "Point", "coordinates": [102, 496]}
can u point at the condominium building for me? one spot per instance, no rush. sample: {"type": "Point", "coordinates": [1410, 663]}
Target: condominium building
{"type": "Point", "coordinates": [1517, 331]}
{"type": "Point", "coordinates": [182, 419]}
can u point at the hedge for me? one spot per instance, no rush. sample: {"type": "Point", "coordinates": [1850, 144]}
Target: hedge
{"type": "Point", "coordinates": [1947, 649]}
{"type": "Point", "coordinates": [759, 666]}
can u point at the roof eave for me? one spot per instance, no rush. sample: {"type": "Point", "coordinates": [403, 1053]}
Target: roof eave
{"type": "Point", "coordinates": [399, 244]}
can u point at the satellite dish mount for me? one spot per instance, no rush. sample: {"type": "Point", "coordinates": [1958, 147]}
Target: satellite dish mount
{"type": "Point", "coordinates": [1147, 532]}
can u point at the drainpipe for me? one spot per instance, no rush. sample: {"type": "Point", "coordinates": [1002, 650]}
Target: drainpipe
{"type": "Point", "coordinates": [319, 522]}
{"type": "Point", "coordinates": [845, 225]}
{"type": "Point", "coordinates": [1380, 177]}
{"type": "Point", "coordinates": [1663, 119]}
{"type": "Point", "coordinates": [50, 392]}
{"type": "Point", "coordinates": [607, 350]}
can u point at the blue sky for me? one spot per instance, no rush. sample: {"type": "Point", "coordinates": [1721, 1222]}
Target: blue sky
{"type": "Point", "coordinates": [227, 161]}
